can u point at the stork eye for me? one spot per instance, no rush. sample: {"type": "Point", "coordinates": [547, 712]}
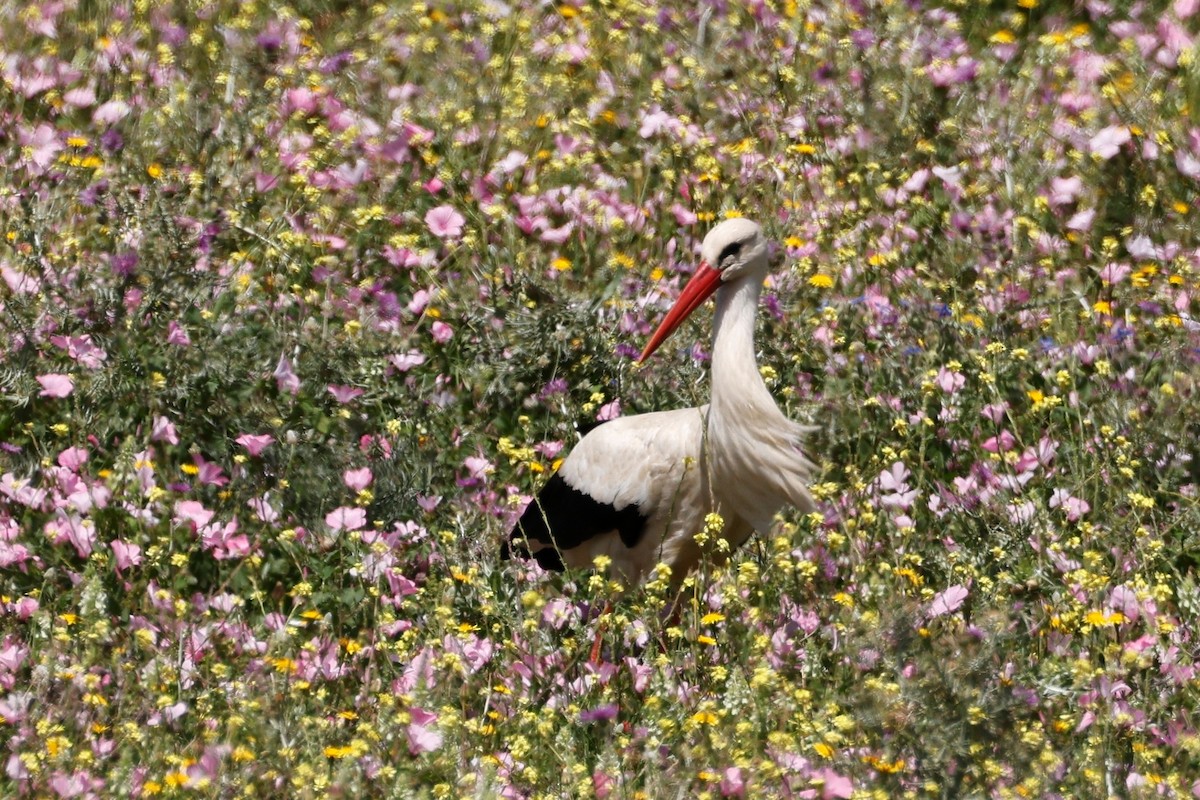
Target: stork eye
{"type": "Point", "coordinates": [731, 250]}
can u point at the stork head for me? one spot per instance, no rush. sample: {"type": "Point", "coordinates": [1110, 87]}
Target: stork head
{"type": "Point", "coordinates": [734, 249]}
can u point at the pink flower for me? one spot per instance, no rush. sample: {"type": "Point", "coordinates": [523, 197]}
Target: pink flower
{"type": "Point", "coordinates": [444, 222]}
{"type": "Point", "coordinates": [55, 385]}
{"type": "Point", "coordinates": [420, 300]}
{"type": "Point", "coordinates": [1107, 143]}
{"type": "Point", "coordinates": [26, 607]}
{"type": "Point", "coordinates": [406, 361]}
{"type": "Point", "coordinates": [224, 541]}
{"type": "Point", "coordinates": [948, 601]}
{"type": "Point", "coordinates": [683, 216]}
{"type": "Point", "coordinates": [950, 382]}
{"type": "Point", "coordinates": [1082, 221]}
{"type": "Point", "coordinates": [345, 518]}
{"type": "Point", "coordinates": [733, 783]}
{"type": "Point", "coordinates": [1074, 507]}
{"type": "Point", "coordinates": [263, 509]}
{"type": "Point", "coordinates": [285, 378]}
{"type": "Point", "coordinates": [111, 112]}
{"type": "Point", "coordinates": [358, 479]}
{"type": "Point", "coordinates": [1188, 164]}
{"type": "Point", "coordinates": [837, 787]}
{"type": "Point", "coordinates": [609, 411]}
{"type": "Point", "coordinates": [1000, 444]}
{"type": "Point", "coordinates": [441, 332]}
{"type": "Point", "coordinates": [558, 235]}
{"type": "Point", "coordinates": [80, 96]}
{"type": "Point", "coordinates": [81, 349]}
{"type": "Point", "coordinates": [477, 466]}
{"type": "Point", "coordinates": [73, 458]}
{"type": "Point", "coordinates": [43, 145]}
{"type": "Point", "coordinates": [255, 443]}
{"type": "Point", "coordinates": [127, 555]}
{"type": "Point", "coordinates": [192, 512]}
{"type": "Point", "coordinates": [344, 394]}
{"type": "Point", "coordinates": [163, 430]}
{"type": "Point", "coordinates": [177, 335]}
{"type": "Point", "coordinates": [210, 474]}
{"type": "Point", "coordinates": [422, 736]}
{"type": "Point", "coordinates": [1065, 190]}
{"type": "Point", "coordinates": [12, 554]}
{"type": "Point", "coordinates": [1125, 600]}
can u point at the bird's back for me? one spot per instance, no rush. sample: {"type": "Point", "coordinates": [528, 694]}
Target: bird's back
{"type": "Point", "coordinates": [626, 491]}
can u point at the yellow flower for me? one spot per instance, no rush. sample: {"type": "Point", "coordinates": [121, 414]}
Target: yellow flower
{"type": "Point", "coordinates": [821, 281]}
{"type": "Point", "coordinates": [560, 264]}
{"type": "Point", "coordinates": [155, 171]}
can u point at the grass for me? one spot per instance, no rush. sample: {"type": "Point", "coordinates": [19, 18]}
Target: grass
{"type": "Point", "coordinates": [302, 303]}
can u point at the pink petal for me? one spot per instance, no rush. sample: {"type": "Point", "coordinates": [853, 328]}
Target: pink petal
{"type": "Point", "coordinates": [346, 519]}
{"type": "Point", "coordinates": [1107, 143]}
{"type": "Point", "coordinates": [948, 601]}
{"type": "Point", "coordinates": [255, 443]}
{"type": "Point", "coordinates": [445, 222]}
{"type": "Point", "coordinates": [55, 385]}
{"type": "Point", "coordinates": [358, 479]}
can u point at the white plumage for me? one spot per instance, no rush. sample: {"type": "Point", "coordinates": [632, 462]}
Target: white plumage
{"type": "Point", "coordinates": [638, 489]}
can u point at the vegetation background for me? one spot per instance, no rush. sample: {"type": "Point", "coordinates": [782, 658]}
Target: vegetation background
{"type": "Point", "coordinates": [301, 302]}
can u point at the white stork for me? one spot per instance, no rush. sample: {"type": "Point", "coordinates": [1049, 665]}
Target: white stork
{"type": "Point", "coordinates": [638, 489]}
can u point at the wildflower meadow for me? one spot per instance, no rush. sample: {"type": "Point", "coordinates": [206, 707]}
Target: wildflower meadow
{"type": "Point", "coordinates": [302, 302]}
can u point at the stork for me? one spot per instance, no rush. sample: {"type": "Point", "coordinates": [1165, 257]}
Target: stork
{"type": "Point", "coordinates": [639, 489]}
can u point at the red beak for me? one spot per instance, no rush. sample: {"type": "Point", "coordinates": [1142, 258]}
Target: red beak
{"type": "Point", "coordinates": [703, 283]}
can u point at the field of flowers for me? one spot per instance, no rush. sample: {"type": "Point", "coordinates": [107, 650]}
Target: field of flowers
{"type": "Point", "coordinates": [301, 303]}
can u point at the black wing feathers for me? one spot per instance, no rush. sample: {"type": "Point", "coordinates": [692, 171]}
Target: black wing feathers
{"type": "Point", "coordinates": [564, 517]}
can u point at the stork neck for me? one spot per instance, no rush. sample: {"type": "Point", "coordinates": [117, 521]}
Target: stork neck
{"type": "Point", "coordinates": [737, 385]}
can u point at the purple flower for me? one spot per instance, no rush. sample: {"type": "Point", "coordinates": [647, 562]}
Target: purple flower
{"type": "Point", "coordinates": [444, 222]}
{"type": "Point", "coordinates": [602, 713]}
